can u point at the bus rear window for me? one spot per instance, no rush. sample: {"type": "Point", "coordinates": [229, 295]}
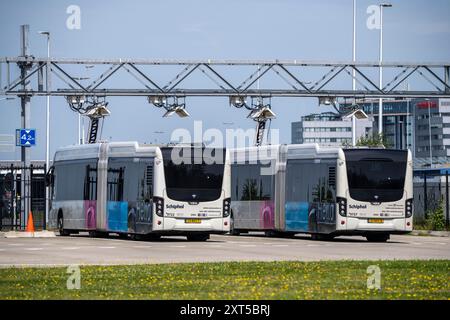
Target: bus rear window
{"type": "Point", "coordinates": [376, 175]}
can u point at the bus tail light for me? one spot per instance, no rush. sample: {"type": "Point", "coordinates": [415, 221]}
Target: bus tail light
{"type": "Point", "coordinates": [159, 206]}
{"type": "Point", "coordinates": [409, 208]}
{"type": "Point", "coordinates": [226, 207]}
{"type": "Point", "coordinates": [342, 206]}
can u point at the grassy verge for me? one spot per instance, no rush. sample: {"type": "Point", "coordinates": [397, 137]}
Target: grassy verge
{"type": "Point", "coordinates": [234, 280]}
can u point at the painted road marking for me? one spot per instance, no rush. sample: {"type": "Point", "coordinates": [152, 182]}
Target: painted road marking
{"type": "Point", "coordinates": [33, 249]}
{"type": "Point", "coordinates": [247, 245]}
{"type": "Point", "coordinates": [280, 245]}
{"type": "Point", "coordinates": [177, 246]}
{"type": "Point", "coordinates": [141, 247]}
{"type": "Point", "coordinates": [15, 244]}
{"type": "Point", "coordinates": [70, 248]}
{"type": "Point", "coordinates": [45, 244]}
{"type": "Point", "coordinates": [106, 247]}
{"type": "Point", "coordinates": [238, 242]}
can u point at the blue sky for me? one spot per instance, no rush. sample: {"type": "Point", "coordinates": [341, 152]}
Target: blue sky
{"type": "Point", "coordinates": [415, 30]}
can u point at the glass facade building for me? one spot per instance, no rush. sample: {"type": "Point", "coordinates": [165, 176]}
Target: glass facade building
{"type": "Point", "coordinates": [397, 120]}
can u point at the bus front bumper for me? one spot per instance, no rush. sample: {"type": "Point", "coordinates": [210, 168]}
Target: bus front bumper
{"type": "Point", "coordinates": [209, 225]}
{"type": "Point", "coordinates": [392, 225]}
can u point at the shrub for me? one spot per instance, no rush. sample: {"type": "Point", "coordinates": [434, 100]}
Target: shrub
{"type": "Point", "coordinates": [436, 219]}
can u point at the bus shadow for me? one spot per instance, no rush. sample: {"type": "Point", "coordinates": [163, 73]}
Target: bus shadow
{"type": "Point", "coordinates": [302, 236]}
{"type": "Point", "coordinates": [182, 239]}
{"type": "Point", "coordinates": [173, 239]}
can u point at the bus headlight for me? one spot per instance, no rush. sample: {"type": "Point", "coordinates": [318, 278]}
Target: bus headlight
{"type": "Point", "coordinates": [226, 207]}
{"type": "Point", "coordinates": [409, 208]}
{"type": "Point", "coordinates": [342, 206]}
{"type": "Point", "coordinates": [159, 206]}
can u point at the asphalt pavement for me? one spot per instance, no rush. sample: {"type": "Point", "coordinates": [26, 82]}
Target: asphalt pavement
{"type": "Point", "coordinates": [82, 250]}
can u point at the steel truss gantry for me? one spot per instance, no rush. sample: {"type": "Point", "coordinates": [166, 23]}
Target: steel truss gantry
{"type": "Point", "coordinates": [42, 72]}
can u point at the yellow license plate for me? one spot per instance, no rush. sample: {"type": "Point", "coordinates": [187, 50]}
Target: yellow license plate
{"type": "Point", "coordinates": [192, 221]}
{"type": "Point", "coordinates": [375, 220]}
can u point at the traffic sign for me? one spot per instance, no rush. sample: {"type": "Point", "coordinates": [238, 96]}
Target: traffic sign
{"type": "Point", "coordinates": [25, 137]}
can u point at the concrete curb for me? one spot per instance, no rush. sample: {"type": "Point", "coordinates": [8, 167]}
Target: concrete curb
{"type": "Point", "coordinates": [430, 233]}
{"type": "Point", "coordinates": [22, 234]}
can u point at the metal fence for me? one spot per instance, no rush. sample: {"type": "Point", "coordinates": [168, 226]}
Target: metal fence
{"type": "Point", "coordinates": [20, 188]}
{"type": "Point", "coordinates": [431, 189]}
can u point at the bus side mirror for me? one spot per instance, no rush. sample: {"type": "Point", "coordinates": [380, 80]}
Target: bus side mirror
{"type": "Point", "coordinates": [50, 177]}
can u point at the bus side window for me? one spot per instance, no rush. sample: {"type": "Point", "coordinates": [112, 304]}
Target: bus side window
{"type": "Point", "coordinates": [115, 183]}
{"type": "Point", "coordinates": [90, 183]}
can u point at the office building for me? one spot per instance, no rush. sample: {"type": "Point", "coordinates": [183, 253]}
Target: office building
{"type": "Point", "coordinates": [397, 120]}
{"type": "Point", "coordinates": [432, 132]}
{"type": "Point", "coordinates": [327, 129]}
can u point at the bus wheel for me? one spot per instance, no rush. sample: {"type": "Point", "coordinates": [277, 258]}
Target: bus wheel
{"type": "Point", "coordinates": [123, 236]}
{"type": "Point", "coordinates": [378, 237]}
{"type": "Point", "coordinates": [152, 237]}
{"type": "Point", "coordinates": [98, 234]}
{"type": "Point", "coordinates": [198, 237]}
{"type": "Point", "coordinates": [270, 233]}
{"type": "Point", "coordinates": [62, 232]}
{"type": "Point", "coordinates": [322, 237]}
{"type": "Point", "coordinates": [136, 237]}
{"type": "Point", "coordinates": [277, 234]}
{"type": "Point", "coordinates": [233, 231]}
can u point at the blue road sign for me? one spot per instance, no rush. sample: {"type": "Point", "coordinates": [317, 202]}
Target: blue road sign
{"type": "Point", "coordinates": [25, 137]}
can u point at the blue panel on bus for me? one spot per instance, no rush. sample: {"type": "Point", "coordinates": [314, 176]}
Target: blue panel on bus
{"type": "Point", "coordinates": [296, 216]}
{"type": "Point", "coordinates": [117, 216]}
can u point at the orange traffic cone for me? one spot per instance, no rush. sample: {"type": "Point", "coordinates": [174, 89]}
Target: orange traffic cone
{"type": "Point", "coordinates": [30, 223]}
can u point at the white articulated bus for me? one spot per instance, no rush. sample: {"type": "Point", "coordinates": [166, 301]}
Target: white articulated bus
{"type": "Point", "coordinates": [140, 190]}
{"type": "Point", "coordinates": [323, 191]}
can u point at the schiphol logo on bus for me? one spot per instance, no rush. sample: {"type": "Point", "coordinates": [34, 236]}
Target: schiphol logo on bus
{"type": "Point", "coordinates": [174, 206]}
{"type": "Point", "coordinates": [358, 206]}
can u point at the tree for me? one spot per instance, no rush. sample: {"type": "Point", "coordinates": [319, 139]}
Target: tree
{"type": "Point", "coordinates": [375, 140]}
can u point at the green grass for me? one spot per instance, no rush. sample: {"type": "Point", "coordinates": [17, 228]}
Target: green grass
{"type": "Point", "coordinates": [234, 280]}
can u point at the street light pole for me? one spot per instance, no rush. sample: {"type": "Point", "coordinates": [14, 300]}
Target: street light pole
{"type": "Point", "coordinates": [47, 131]}
{"type": "Point", "coordinates": [429, 132]}
{"type": "Point", "coordinates": [380, 104]}
{"type": "Point", "coordinates": [354, 46]}
{"type": "Point", "coordinates": [354, 72]}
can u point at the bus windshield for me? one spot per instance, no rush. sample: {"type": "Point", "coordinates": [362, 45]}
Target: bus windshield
{"type": "Point", "coordinates": [376, 175]}
{"type": "Point", "coordinates": [197, 180]}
